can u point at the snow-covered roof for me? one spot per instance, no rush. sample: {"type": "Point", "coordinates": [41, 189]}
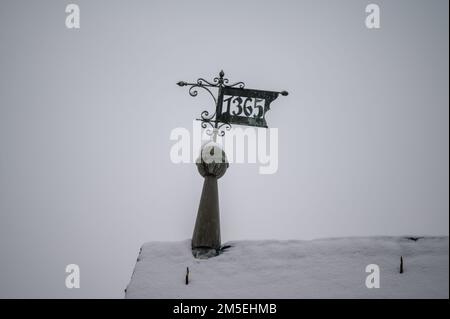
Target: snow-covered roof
{"type": "Point", "coordinates": [328, 268]}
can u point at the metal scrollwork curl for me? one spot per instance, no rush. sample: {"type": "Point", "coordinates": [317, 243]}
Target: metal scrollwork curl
{"type": "Point", "coordinates": [222, 131]}
{"type": "Point", "coordinates": [240, 85]}
{"type": "Point", "coordinates": [206, 117]}
{"type": "Point", "coordinates": [203, 82]}
{"type": "Point", "coordinates": [193, 91]}
{"type": "Point", "coordinates": [209, 130]}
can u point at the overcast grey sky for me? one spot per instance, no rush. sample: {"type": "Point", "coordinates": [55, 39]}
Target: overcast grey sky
{"type": "Point", "coordinates": [86, 115]}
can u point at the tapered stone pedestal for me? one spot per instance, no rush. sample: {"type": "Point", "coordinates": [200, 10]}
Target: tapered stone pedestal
{"type": "Point", "coordinates": [212, 165]}
{"type": "Point", "coordinates": [206, 237]}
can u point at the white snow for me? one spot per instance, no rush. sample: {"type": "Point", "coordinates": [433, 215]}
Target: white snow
{"type": "Point", "coordinates": [325, 268]}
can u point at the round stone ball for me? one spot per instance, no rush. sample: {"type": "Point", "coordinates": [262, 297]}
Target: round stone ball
{"type": "Point", "coordinates": [212, 160]}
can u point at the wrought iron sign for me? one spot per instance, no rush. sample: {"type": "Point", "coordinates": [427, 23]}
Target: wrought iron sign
{"type": "Point", "coordinates": [234, 103]}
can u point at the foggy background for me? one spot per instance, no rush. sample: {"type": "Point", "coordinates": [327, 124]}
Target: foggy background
{"type": "Point", "coordinates": [86, 115]}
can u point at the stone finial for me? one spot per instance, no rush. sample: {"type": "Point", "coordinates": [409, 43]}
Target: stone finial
{"type": "Point", "coordinates": [212, 160]}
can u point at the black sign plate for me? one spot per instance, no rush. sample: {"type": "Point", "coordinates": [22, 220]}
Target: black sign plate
{"type": "Point", "coordinates": [244, 106]}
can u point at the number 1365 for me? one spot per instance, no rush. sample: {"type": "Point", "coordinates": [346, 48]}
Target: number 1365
{"type": "Point", "coordinates": [250, 107]}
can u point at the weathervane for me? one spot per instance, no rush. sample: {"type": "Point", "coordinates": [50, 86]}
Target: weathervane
{"type": "Point", "coordinates": [234, 105]}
